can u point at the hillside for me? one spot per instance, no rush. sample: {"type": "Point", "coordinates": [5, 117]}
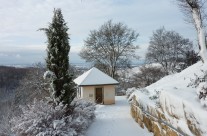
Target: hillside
{"type": "Point", "coordinates": [9, 80]}
{"type": "Point", "coordinates": [177, 100]}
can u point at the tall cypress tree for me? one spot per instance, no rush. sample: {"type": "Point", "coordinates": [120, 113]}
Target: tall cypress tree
{"type": "Point", "coordinates": [57, 60]}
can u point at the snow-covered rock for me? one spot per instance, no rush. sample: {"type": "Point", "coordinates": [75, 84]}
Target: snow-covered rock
{"type": "Point", "coordinates": [177, 101]}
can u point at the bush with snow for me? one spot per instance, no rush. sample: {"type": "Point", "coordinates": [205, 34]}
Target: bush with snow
{"type": "Point", "coordinates": [202, 93]}
{"type": "Point", "coordinates": [47, 119]}
{"type": "Point", "coordinates": [200, 83]}
{"type": "Point", "coordinates": [120, 92]}
{"type": "Point", "coordinates": [130, 91]}
{"type": "Point", "coordinates": [83, 115]}
{"type": "Point", "coordinates": [155, 95]}
{"type": "Point", "coordinates": [198, 79]}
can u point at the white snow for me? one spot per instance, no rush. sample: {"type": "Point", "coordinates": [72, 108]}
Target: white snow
{"type": "Point", "coordinates": [94, 77]}
{"type": "Point", "coordinates": [115, 120]}
{"type": "Point", "coordinates": [176, 98]}
{"type": "Point", "coordinates": [48, 75]}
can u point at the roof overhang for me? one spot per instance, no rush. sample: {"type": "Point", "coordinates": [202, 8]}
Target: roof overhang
{"type": "Point", "coordinates": [99, 84]}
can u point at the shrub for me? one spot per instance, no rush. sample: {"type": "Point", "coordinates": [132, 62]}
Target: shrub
{"type": "Point", "coordinates": [155, 95]}
{"type": "Point", "coordinates": [83, 115]}
{"type": "Point", "coordinates": [200, 83]}
{"type": "Point", "coordinates": [47, 119]}
{"type": "Point", "coordinates": [202, 93]}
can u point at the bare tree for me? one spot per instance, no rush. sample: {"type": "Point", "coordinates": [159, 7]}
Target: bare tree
{"type": "Point", "coordinates": [110, 46]}
{"type": "Point", "coordinates": [196, 14]}
{"type": "Point", "coordinates": [31, 86]}
{"type": "Point", "coordinates": [167, 48]}
{"type": "Point", "coordinates": [147, 75]}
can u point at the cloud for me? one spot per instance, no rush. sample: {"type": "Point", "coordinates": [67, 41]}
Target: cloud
{"type": "Point", "coordinates": [18, 56]}
{"type": "Point", "coordinates": [75, 49]}
{"type": "Point", "coordinates": [22, 48]}
{"type": "Point", "coordinates": [20, 21]}
{"type": "Point", "coordinates": [3, 55]}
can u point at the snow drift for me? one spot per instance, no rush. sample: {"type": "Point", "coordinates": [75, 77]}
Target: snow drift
{"type": "Point", "coordinates": [175, 96]}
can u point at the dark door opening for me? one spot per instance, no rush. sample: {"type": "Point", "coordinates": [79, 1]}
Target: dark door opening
{"type": "Point", "coordinates": [99, 95]}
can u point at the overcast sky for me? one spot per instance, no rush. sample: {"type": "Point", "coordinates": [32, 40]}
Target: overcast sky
{"type": "Point", "coordinates": [21, 43]}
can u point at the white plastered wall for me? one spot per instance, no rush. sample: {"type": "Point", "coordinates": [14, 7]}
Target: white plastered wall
{"type": "Point", "coordinates": [109, 94]}
{"type": "Point", "coordinates": [88, 93]}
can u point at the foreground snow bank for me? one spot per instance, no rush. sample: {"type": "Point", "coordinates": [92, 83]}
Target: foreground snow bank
{"type": "Point", "coordinates": [176, 101]}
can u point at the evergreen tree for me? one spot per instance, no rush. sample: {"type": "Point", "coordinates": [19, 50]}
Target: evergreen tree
{"type": "Point", "coordinates": [62, 86]}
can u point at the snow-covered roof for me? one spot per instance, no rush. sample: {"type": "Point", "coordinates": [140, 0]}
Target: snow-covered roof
{"type": "Point", "coordinates": [94, 77]}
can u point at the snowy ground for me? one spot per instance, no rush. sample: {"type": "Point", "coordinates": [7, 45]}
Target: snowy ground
{"type": "Point", "coordinates": [115, 120]}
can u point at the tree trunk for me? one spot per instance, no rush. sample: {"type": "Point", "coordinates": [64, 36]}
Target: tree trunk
{"type": "Point", "coordinates": [201, 33]}
{"type": "Point", "coordinates": [113, 72]}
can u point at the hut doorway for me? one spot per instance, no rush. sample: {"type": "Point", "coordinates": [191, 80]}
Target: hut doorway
{"type": "Point", "coordinates": [99, 95]}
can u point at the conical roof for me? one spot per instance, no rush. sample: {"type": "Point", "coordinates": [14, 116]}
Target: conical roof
{"type": "Point", "coordinates": [94, 77]}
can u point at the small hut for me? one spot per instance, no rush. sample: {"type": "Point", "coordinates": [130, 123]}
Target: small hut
{"type": "Point", "coordinates": [96, 86]}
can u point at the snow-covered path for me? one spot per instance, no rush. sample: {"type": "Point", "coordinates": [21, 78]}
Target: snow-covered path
{"type": "Point", "coordinates": [115, 120]}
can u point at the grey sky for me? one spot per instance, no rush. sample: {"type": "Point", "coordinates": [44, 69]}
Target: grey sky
{"type": "Point", "coordinates": [21, 43]}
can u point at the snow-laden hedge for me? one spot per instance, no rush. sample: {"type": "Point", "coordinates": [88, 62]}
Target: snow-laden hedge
{"type": "Point", "coordinates": [44, 119]}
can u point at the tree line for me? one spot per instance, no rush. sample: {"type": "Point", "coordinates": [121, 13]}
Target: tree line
{"type": "Point", "coordinates": [113, 45]}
